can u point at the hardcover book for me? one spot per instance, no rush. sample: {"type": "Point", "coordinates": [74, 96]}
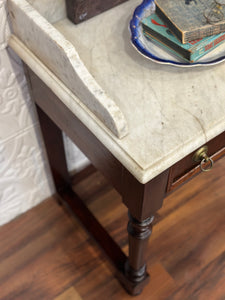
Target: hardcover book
{"type": "Point", "coordinates": [81, 10]}
{"type": "Point", "coordinates": [186, 20]}
{"type": "Point", "coordinates": [154, 28]}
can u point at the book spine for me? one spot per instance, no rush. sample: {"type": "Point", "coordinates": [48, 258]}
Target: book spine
{"type": "Point", "coordinates": [188, 36]}
{"type": "Point", "coordinates": [175, 30]}
{"type": "Point", "coordinates": [204, 32]}
{"type": "Point", "coordinates": [192, 54]}
{"type": "Point", "coordinates": [163, 45]}
{"type": "Point", "coordinates": [207, 47]}
{"type": "Point", "coordinates": [185, 53]}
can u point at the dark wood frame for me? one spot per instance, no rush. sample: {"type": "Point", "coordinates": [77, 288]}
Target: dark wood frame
{"type": "Point", "coordinates": [142, 200]}
{"type": "Point", "coordinates": [81, 10]}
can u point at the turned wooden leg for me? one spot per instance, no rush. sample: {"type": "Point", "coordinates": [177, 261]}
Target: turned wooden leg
{"type": "Point", "coordinates": [135, 268]}
{"type": "Point", "coordinates": [139, 233]}
{"type": "Point", "coordinates": [143, 201]}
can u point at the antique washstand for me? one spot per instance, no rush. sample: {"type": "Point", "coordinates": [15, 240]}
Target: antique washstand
{"type": "Point", "coordinates": [142, 124]}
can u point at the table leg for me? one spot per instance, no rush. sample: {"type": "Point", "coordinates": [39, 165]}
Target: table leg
{"type": "Point", "coordinates": [139, 233]}
{"type": "Point", "coordinates": [54, 145]}
{"type": "Point", "coordinates": [142, 200]}
{"type": "Point", "coordinates": [133, 275]}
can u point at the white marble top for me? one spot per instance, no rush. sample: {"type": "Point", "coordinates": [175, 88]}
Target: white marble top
{"type": "Point", "coordinates": [170, 111]}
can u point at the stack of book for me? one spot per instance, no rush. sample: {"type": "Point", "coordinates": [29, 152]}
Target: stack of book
{"type": "Point", "coordinates": [180, 26]}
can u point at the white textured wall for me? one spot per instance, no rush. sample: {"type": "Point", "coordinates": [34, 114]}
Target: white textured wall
{"type": "Point", "coordinates": [24, 174]}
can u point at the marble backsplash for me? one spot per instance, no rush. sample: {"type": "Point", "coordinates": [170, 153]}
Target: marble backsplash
{"type": "Point", "coordinates": [24, 174]}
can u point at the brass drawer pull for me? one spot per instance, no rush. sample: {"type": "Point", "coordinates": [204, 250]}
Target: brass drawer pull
{"type": "Point", "coordinates": [206, 162]}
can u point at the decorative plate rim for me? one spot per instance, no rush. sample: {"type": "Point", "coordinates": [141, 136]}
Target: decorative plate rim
{"type": "Point", "coordinates": [138, 15]}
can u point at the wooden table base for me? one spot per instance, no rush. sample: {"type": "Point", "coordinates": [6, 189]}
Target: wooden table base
{"type": "Point", "coordinates": [75, 205]}
{"type": "Point", "coordinates": [132, 279]}
{"type": "Point", "coordinates": [142, 200]}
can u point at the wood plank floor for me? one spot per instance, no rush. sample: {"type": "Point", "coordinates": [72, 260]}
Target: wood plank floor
{"type": "Point", "coordinates": [46, 254]}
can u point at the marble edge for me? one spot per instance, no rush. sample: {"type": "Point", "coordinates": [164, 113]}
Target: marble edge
{"type": "Point", "coordinates": [75, 105]}
{"type": "Point", "coordinates": [106, 109]}
{"type": "Point", "coordinates": [114, 145]}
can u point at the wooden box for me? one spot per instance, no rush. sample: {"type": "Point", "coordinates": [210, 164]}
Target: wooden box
{"type": "Point", "coordinates": [81, 10]}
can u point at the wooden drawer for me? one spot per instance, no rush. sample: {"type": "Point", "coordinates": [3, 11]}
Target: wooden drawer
{"type": "Point", "coordinates": [186, 168]}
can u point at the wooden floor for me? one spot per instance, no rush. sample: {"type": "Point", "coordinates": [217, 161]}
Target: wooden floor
{"type": "Point", "coordinates": [46, 254]}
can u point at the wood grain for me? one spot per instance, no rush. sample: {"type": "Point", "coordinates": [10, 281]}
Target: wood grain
{"type": "Point", "coordinates": [46, 253]}
{"type": "Point", "coordinates": [70, 294]}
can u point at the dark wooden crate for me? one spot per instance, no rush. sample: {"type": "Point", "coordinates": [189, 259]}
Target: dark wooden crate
{"type": "Point", "coordinates": [81, 10]}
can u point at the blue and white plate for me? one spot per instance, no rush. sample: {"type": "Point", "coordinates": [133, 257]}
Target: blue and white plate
{"type": "Point", "coordinates": [157, 54]}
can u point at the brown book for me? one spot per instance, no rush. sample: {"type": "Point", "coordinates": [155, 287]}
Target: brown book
{"type": "Point", "coordinates": [185, 18]}
{"type": "Point", "coordinates": [81, 10]}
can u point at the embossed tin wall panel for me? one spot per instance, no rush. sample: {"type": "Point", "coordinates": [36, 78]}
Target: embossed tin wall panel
{"type": "Point", "coordinates": [24, 175]}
